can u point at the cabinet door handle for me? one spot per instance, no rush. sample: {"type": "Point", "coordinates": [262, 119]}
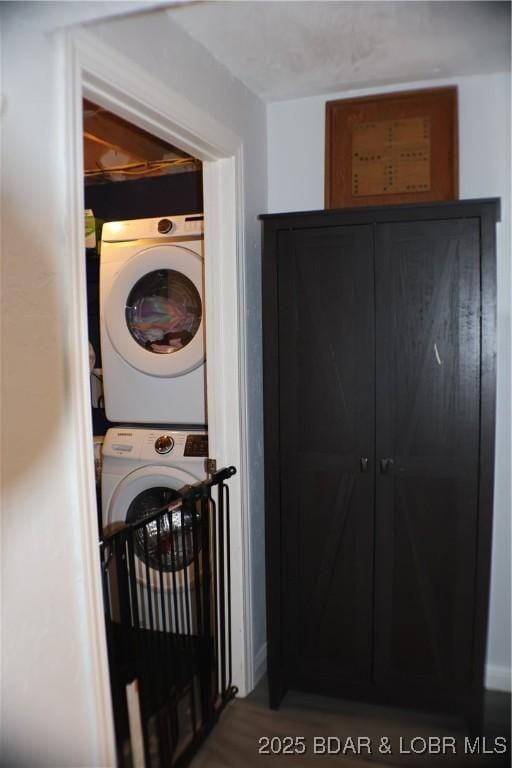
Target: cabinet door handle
{"type": "Point", "coordinates": [386, 465]}
{"type": "Point", "coordinates": [363, 463]}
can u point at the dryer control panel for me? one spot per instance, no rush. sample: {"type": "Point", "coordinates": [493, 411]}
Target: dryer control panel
{"type": "Point", "coordinates": [164, 227]}
{"type": "Point", "coordinates": [157, 445]}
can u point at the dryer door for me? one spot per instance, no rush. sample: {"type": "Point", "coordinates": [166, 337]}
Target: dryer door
{"type": "Point", "coordinates": [154, 311]}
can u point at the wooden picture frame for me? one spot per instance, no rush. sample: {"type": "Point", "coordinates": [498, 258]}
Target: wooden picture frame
{"type": "Point", "coordinates": [392, 148]}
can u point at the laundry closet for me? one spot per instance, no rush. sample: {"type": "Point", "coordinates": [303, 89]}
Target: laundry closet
{"type": "Point", "coordinates": [144, 228]}
{"type": "Point", "coordinates": [144, 262]}
{"type": "Point", "coordinates": [144, 258]}
{"type": "Point", "coordinates": [162, 529]}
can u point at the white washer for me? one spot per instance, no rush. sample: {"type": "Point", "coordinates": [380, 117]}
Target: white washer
{"type": "Point", "coordinates": [152, 320]}
{"type": "Point", "coordinates": [141, 472]}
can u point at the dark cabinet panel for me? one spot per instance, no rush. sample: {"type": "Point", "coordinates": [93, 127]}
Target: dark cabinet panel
{"type": "Point", "coordinates": [428, 396]}
{"type": "Point", "coordinates": [379, 370]}
{"type": "Point", "coordinates": [326, 399]}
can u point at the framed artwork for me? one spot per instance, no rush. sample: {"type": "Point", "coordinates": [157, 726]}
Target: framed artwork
{"type": "Point", "coordinates": [392, 148]}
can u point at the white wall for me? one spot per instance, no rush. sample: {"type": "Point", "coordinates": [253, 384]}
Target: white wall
{"type": "Point", "coordinates": [49, 711]}
{"type": "Point", "coordinates": [296, 144]}
{"type": "Point", "coordinates": [47, 692]}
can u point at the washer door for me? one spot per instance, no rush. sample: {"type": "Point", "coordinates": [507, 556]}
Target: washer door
{"type": "Point", "coordinates": [169, 546]}
{"type": "Point", "coordinates": [164, 568]}
{"type": "Point", "coordinates": [154, 311]}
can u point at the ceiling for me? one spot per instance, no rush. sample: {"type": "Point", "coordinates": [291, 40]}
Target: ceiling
{"type": "Point", "coordinates": [285, 50]}
{"type": "Point", "coordinates": [115, 150]}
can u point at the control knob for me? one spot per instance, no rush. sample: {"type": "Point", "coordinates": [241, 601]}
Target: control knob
{"type": "Point", "coordinates": [164, 444]}
{"type": "Point", "coordinates": [164, 226]}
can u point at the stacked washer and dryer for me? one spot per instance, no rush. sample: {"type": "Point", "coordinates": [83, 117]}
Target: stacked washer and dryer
{"type": "Point", "coordinates": [154, 379]}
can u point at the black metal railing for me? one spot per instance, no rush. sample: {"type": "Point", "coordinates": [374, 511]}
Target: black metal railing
{"type": "Point", "coordinates": [167, 602]}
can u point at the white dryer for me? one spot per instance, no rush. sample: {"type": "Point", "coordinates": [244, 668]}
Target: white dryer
{"type": "Point", "coordinates": [142, 471]}
{"type": "Point", "coordinates": [152, 320]}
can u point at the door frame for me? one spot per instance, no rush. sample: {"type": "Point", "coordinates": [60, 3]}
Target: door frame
{"type": "Point", "coordinates": [94, 70]}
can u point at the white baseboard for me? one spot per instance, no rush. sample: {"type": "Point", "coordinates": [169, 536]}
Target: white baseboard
{"type": "Point", "coordinates": [497, 678]}
{"type": "Point", "coordinates": [260, 664]}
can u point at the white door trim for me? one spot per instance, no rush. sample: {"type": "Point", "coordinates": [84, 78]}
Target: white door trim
{"type": "Point", "coordinates": [100, 73]}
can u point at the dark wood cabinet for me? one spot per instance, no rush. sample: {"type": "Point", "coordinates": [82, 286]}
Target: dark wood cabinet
{"type": "Point", "coordinates": [379, 368]}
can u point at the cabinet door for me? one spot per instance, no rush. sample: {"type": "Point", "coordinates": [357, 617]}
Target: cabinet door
{"type": "Point", "coordinates": [427, 401]}
{"type": "Point", "coordinates": [327, 412]}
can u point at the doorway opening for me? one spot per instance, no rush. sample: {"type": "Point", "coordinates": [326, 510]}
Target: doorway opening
{"type": "Point", "coordinates": [105, 78]}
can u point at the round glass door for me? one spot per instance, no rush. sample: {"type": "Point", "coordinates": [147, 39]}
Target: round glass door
{"type": "Point", "coordinates": [154, 311]}
{"type": "Point", "coordinates": [163, 311]}
{"type": "Point", "coordinates": [167, 544]}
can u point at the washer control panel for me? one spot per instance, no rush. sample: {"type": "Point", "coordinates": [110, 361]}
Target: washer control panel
{"type": "Point", "coordinates": [196, 445]}
{"type": "Point", "coordinates": [164, 444]}
{"type": "Point", "coordinates": [155, 445]}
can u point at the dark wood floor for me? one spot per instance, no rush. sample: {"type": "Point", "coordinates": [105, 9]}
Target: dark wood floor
{"type": "Point", "coordinates": [235, 741]}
